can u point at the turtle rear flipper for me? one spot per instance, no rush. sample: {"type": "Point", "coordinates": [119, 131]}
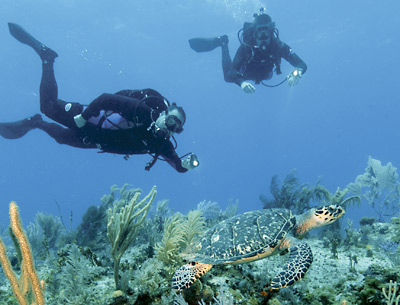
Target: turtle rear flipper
{"type": "Point", "coordinates": [300, 259]}
{"type": "Point", "coordinates": [188, 274]}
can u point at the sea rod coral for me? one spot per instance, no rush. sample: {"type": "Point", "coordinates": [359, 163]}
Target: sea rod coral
{"type": "Point", "coordinates": [123, 226]}
{"type": "Point", "coordinates": [28, 285]}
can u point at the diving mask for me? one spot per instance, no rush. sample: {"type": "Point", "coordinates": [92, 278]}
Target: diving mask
{"type": "Point", "coordinates": [263, 33]}
{"type": "Point", "coordinates": [173, 124]}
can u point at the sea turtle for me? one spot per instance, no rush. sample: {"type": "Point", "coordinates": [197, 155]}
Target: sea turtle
{"type": "Point", "coordinates": [255, 235]}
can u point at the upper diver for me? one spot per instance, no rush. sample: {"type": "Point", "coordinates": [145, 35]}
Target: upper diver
{"type": "Point", "coordinates": [127, 122]}
{"type": "Point", "coordinates": [260, 53]}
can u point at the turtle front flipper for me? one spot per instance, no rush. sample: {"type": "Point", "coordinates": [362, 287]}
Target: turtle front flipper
{"type": "Point", "coordinates": [188, 274]}
{"type": "Point", "coordinates": [300, 259]}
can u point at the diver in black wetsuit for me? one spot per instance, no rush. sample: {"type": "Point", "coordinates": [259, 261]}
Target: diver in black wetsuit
{"type": "Point", "coordinates": [127, 122]}
{"type": "Point", "coordinates": [260, 52]}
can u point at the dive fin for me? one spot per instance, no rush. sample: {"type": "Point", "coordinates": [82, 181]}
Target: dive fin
{"type": "Point", "coordinates": [207, 44]}
{"type": "Point", "coordinates": [20, 34]}
{"type": "Point", "coordinates": [16, 130]}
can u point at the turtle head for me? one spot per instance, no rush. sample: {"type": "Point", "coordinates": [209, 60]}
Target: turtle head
{"type": "Point", "coordinates": [328, 213]}
{"type": "Point", "coordinates": [318, 217]}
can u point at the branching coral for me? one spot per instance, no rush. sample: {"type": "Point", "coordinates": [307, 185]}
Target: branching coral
{"type": "Point", "coordinates": [28, 285]}
{"type": "Point", "coordinates": [179, 234]}
{"type": "Point", "coordinates": [194, 225]}
{"type": "Point", "coordinates": [299, 197]}
{"type": "Point", "coordinates": [293, 195]}
{"type": "Point", "coordinates": [74, 278]}
{"type": "Point", "coordinates": [224, 297]}
{"type": "Point", "coordinates": [212, 212]}
{"type": "Point", "coordinates": [44, 234]}
{"type": "Point", "coordinates": [379, 186]}
{"type": "Point", "coordinates": [123, 226]}
{"type": "Point", "coordinates": [338, 198]}
{"type": "Point", "coordinates": [92, 231]}
{"type": "Point", "coordinates": [172, 242]}
{"type": "Point", "coordinates": [390, 295]}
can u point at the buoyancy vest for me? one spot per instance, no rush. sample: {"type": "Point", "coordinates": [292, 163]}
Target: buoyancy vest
{"type": "Point", "coordinates": [111, 131]}
{"type": "Point", "coordinates": [255, 54]}
{"type": "Point", "coordinates": [113, 121]}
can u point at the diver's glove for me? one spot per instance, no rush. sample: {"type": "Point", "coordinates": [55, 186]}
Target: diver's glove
{"type": "Point", "coordinates": [79, 121]}
{"type": "Point", "coordinates": [247, 87]}
{"type": "Point", "coordinates": [294, 77]}
{"type": "Point", "coordinates": [190, 162]}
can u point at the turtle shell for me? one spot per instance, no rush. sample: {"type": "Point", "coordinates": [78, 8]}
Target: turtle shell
{"type": "Point", "coordinates": [245, 237]}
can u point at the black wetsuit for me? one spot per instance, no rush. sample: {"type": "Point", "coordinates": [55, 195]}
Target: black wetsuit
{"type": "Point", "coordinates": [252, 63]}
{"type": "Point", "coordinates": [119, 123]}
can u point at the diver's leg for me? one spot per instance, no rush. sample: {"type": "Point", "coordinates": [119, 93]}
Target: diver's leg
{"type": "Point", "coordinates": [208, 44]}
{"type": "Point", "coordinates": [48, 85]}
{"type": "Point", "coordinates": [63, 135]}
{"type": "Point", "coordinates": [19, 33]}
{"type": "Point", "coordinates": [48, 89]}
{"type": "Point", "coordinates": [16, 130]}
{"type": "Point", "coordinates": [226, 62]}
{"type": "Point", "coordinates": [57, 110]}
{"type": "Point", "coordinates": [54, 108]}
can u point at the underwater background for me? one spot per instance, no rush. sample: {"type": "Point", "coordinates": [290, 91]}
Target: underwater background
{"type": "Point", "coordinates": [344, 110]}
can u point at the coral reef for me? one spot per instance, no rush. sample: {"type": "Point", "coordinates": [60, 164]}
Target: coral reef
{"type": "Point", "coordinates": [74, 276]}
{"type": "Point", "coordinates": [169, 248]}
{"type": "Point", "coordinates": [44, 234]}
{"type": "Point", "coordinates": [212, 212]}
{"type": "Point", "coordinates": [391, 293]}
{"type": "Point", "coordinates": [293, 195]}
{"type": "Point", "coordinates": [123, 225]}
{"type": "Point", "coordinates": [92, 231]}
{"type": "Point", "coordinates": [351, 266]}
{"type": "Point", "coordinates": [27, 288]}
{"type": "Point", "coordinates": [379, 186]}
{"type": "Point", "coordinates": [180, 233]}
{"type": "Point", "coordinates": [301, 197]}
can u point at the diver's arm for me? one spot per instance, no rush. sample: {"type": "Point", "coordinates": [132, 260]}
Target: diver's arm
{"type": "Point", "coordinates": [140, 93]}
{"type": "Point", "coordinates": [170, 155]}
{"type": "Point", "coordinates": [238, 61]}
{"type": "Point", "coordinates": [123, 105]}
{"type": "Point", "coordinates": [290, 56]}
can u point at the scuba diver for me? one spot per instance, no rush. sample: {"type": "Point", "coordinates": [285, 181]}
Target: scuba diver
{"type": "Point", "coordinates": [127, 122]}
{"type": "Point", "coordinates": [260, 53]}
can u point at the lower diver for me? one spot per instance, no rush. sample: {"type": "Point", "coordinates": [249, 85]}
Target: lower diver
{"type": "Point", "coordinates": [128, 122]}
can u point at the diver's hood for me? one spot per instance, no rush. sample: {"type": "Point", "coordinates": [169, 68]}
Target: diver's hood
{"type": "Point", "coordinates": [263, 20]}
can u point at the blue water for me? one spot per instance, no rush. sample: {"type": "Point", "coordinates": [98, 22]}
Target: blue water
{"type": "Point", "coordinates": [345, 108]}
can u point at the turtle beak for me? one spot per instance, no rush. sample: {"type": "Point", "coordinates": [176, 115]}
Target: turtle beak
{"type": "Point", "coordinates": [336, 210]}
